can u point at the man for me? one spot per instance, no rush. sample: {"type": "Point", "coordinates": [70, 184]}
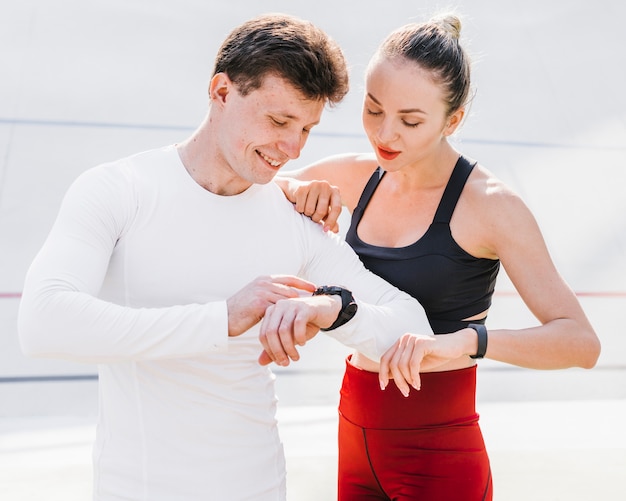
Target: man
{"type": "Point", "coordinates": [157, 270]}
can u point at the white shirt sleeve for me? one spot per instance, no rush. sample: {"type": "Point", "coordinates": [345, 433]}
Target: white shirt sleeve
{"type": "Point", "coordinates": [384, 312]}
{"type": "Point", "coordinates": [64, 315]}
{"type": "Point", "coordinates": [60, 314]}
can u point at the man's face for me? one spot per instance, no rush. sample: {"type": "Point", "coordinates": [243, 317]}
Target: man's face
{"type": "Point", "coordinates": [258, 133]}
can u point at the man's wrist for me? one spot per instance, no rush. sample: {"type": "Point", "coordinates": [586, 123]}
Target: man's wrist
{"type": "Point", "coordinates": [348, 305]}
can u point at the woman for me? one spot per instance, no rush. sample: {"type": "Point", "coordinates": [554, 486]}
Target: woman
{"type": "Point", "coordinates": [437, 225]}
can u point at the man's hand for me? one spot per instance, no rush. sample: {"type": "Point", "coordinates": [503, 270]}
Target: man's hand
{"type": "Point", "coordinates": [292, 322]}
{"type": "Point", "coordinates": [247, 307]}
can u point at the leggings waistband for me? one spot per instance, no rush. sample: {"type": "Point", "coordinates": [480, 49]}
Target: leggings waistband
{"type": "Point", "coordinates": [446, 398]}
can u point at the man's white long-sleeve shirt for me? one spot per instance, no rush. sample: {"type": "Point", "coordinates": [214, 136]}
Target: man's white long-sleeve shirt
{"type": "Point", "coordinates": [134, 276]}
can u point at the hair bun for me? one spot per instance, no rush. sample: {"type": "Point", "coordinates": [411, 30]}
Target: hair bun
{"type": "Point", "coordinates": [450, 23]}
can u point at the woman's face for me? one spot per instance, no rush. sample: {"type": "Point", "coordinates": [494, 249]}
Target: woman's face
{"type": "Point", "coordinates": [404, 113]}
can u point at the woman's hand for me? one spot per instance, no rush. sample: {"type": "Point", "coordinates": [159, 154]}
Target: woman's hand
{"type": "Point", "coordinates": [318, 200]}
{"type": "Point", "coordinates": [415, 353]}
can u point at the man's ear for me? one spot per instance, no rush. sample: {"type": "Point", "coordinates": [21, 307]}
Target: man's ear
{"type": "Point", "coordinates": [219, 87]}
{"type": "Point", "coordinates": [454, 121]}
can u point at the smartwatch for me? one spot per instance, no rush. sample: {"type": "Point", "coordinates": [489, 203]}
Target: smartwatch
{"type": "Point", "coordinates": [481, 332]}
{"type": "Point", "coordinates": [348, 305]}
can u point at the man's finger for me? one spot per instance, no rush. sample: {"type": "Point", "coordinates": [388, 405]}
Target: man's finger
{"type": "Point", "coordinates": [270, 338]}
{"type": "Point", "coordinates": [285, 331]}
{"type": "Point", "coordinates": [294, 282]}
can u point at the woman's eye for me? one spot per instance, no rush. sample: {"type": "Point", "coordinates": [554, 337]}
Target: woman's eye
{"type": "Point", "coordinates": [374, 113]}
{"type": "Point", "coordinates": [409, 124]}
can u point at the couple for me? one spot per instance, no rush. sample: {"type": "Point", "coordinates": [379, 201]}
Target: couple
{"type": "Point", "coordinates": [184, 272]}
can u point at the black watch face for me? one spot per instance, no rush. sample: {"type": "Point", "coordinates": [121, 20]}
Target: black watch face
{"type": "Point", "coordinates": [327, 290]}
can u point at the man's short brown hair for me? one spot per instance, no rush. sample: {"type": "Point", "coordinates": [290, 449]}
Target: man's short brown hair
{"type": "Point", "coordinates": [287, 47]}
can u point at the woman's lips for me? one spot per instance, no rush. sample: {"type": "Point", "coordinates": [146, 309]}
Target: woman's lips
{"type": "Point", "coordinates": [387, 154]}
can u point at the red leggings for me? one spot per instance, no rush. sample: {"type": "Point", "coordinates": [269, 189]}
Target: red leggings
{"type": "Point", "coordinates": [427, 446]}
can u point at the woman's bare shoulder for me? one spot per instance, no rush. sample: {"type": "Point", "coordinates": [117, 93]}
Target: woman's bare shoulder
{"type": "Point", "coordinates": [501, 210]}
{"type": "Point", "coordinates": [336, 166]}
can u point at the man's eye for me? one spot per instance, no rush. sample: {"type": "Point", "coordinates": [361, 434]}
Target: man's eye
{"type": "Point", "coordinates": [277, 122]}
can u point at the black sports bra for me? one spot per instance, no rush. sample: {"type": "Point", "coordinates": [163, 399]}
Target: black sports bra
{"type": "Point", "coordinates": [448, 282]}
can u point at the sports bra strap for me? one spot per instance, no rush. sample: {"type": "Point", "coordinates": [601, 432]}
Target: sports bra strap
{"type": "Point", "coordinates": [368, 191]}
{"type": "Point", "coordinates": [453, 190]}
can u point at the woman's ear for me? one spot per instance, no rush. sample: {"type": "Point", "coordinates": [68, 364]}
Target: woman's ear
{"type": "Point", "coordinates": [454, 121]}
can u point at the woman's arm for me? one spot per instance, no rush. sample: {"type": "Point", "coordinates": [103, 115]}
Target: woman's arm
{"type": "Point", "coordinates": [505, 228]}
{"type": "Point", "coordinates": [565, 337]}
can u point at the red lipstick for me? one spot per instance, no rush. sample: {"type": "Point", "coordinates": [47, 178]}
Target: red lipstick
{"type": "Point", "coordinates": [387, 154]}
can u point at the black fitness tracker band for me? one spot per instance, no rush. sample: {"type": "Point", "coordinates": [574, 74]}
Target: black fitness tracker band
{"type": "Point", "coordinates": [348, 306]}
{"type": "Point", "coordinates": [481, 331]}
